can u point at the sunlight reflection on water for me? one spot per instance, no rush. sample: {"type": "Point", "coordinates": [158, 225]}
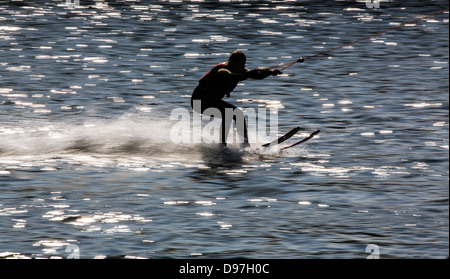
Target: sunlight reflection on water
{"type": "Point", "coordinates": [85, 159]}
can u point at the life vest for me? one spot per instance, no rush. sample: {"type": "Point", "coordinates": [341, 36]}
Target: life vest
{"type": "Point", "coordinates": [212, 72]}
{"type": "Point", "coordinates": [215, 87]}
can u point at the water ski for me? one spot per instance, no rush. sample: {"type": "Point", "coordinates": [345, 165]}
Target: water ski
{"type": "Point", "coordinates": [302, 141]}
{"type": "Point", "coordinates": [283, 138]}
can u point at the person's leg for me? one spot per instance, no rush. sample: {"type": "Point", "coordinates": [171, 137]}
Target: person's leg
{"type": "Point", "coordinates": [241, 124]}
{"type": "Point", "coordinates": [225, 108]}
{"type": "Point", "coordinates": [229, 113]}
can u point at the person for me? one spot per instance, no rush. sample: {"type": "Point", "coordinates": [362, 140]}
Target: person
{"type": "Point", "coordinates": [219, 82]}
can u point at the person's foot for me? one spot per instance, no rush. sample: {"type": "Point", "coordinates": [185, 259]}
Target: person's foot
{"type": "Point", "coordinates": [245, 145]}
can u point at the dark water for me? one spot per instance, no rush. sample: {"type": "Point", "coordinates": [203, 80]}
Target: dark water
{"type": "Point", "coordinates": [87, 166]}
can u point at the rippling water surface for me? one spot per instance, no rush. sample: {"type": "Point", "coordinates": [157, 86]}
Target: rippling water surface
{"type": "Point", "coordinates": [86, 160]}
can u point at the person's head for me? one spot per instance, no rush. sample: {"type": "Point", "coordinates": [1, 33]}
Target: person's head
{"type": "Point", "coordinates": [237, 61]}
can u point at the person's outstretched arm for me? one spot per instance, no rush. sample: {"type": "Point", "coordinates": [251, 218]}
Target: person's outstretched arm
{"type": "Point", "coordinates": [262, 73]}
